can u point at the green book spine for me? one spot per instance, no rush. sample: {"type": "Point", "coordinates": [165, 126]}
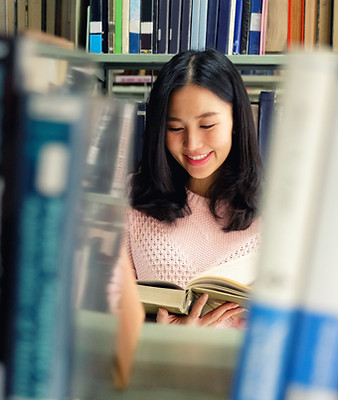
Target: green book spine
{"type": "Point", "coordinates": [118, 26]}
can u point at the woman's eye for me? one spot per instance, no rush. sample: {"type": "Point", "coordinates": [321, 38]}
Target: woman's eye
{"type": "Point", "coordinates": [171, 129]}
{"type": "Point", "coordinates": [207, 126]}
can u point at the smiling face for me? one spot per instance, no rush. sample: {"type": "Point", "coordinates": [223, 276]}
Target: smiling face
{"type": "Point", "coordinates": [199, 133]}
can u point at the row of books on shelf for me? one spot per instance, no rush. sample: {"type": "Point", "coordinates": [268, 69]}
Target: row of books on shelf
{"type": "Point", "coordinates": [231, 26]}
{"type": "Point", "coordinates": [65, 152]}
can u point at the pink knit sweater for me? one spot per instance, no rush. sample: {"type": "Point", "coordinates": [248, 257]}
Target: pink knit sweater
{"type": "Point", "coordinates": [177, 252]}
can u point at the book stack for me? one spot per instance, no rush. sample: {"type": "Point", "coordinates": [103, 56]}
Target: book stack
{"type": "Point", "coordinates": [290, 349]}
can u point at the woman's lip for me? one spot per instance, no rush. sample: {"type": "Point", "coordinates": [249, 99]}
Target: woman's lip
{"type": "Point", "coordinates": [198, 161]}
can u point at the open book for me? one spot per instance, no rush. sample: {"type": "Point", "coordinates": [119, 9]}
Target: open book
{"type": "Point", "coordinates": [220, 283]}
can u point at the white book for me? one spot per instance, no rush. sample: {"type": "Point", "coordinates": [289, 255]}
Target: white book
{"type": "Point", "coordinates": [195, 18]}
{"type": "Point", "coordinates": [295, 171]}
{"type": "Point", "coordinates": [231, 26]}
{"type": "Point", "coordinates": [125, 26]}
{"type": "Point", "coordinates": [314, 367]}
{"type": "Point", "coordinates": [202, 34]}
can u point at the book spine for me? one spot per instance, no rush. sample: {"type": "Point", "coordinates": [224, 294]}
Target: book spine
{"type": "Point", "coordinates": [118, 26]}
{"type": "Point", "coordinates": [335, 26]}
{"type": "Point", "coordinates": [175, 26]}
{"type": "Point", "coordinates": [265, 116]}
{"type": "Point", "coordinates": [134, 26]}
{"type": "Point", "coordinates": [296, 169]}
{"type": "Point", "coordinates": [111, 27]}
{"type": "Point", "coordinates": [195, 18]}
{"type": "Point", "coordinates": [105, 26]}
{"type": "Point", "coordinates": [310, 23]}
{"type": "Point", "coordinates": [125, 26]}
{"type": "Point", "coordinates": [245, 26]}
{"type": "Point", "coordinates": [155, 26]}
{"type": "Point", "coordinates": [202, 32]}
{"type": "Point", "coordinates": [277, 26]}
{"type": "Point", "coordinates": [139, 132]}
{"type": "Point", "coordinates": [325, 23]}
{"type": "Point", "coordinates": [163, 26]}
{"type": "Point", "coordinates": [186, 25]}
{"type": "Point", "coordinates": [46, 187]}
{"type": "Point", "coordinates": [295, 23]}
{"type": "Point", "coordinates": [212, 19]}
{"type": "Point", "coordinates": [147, 26]}
{"type": "Point", "coordinates": [223, 26]}
{"type": "Point", "coordinates": [95, 26]}
{"type": "Point", "coordinates": [313, 371]}
{"type": "Point", "coordinates": [238, 27]}
{"type": "Point", "coordinates": [264, 22]}
{"type": "Point", "coordinates": [255, 27]}
{"type": "Point", "coordinates": [231, 26]}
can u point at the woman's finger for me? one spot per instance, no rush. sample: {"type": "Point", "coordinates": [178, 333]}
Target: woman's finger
{"type": "Point", "coordinates": [197, 308]}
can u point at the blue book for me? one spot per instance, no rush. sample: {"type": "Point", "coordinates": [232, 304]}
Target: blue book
{"type": "Point", "coordinates": [195, 20]}
{"type": "Point", "coordinates": [202, 34]}
{"type": "Point", "coordinates": [155, 26]}
{"type": "Point", "coordinates": [266, 108]}
{"type": "Point", "coordinates": [186, 25]}
{"type": "Point", "coordinates": [95, 27]}
{"type": "Point", "coordinates": [39, 235]}
{"type": "Point", "coordinates": [238, 27]}
{"type": "Point", "coordinates": [255, 27]}
{"type": "Point", "coordinates": [175, 26]}
{"type": "Point", "coordinates": [223, 26]}
{"type": "Point", "coordinates": [212, 21]}
{"type": "Point", "coordinates": [134, 26]}
{"type": "Point", "coordinates": [163, 26]}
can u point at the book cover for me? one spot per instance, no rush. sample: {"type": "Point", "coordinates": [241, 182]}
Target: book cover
{"type": "Point", "coordinates": [223, 26]}
{"type": "Point", "coordinates": [195, 18]}
{"type": "Point", "coordinates": [313, 371]}
{"type": "Point", "coordinates": [277, 27]}
{"type": "Point", "coordinates": [245, 26]}
{"type": "Point", "coordinates": [266, 106]}
{"type": "Point", "coordinates": [95, 27]}
{"type": "Point", "coordinates": [236, 49]}
{"type": "Point", "coordinates": [310, 24]}
{"type": "Point", "coordinates": [295, 172]}
{"type": "Point", "coordinates": [212, 20]}
{"type": "Point", "coordinates": [202, 33]}
{"type": "Point", "coordinates": [217, 282]}
{"type": "Point", "coordinates": [125, 26]}
{"type": "Point", "coordinates": [295, 24]}
{"type": "Point", "coordinates": [186, 25]}
{"type": "Point", "coordinates": [118, 26]}
{"type": "Point", "coordinates": [255, 27]}
{"type": "Point", "coordinates": [163, 26]}
{"type": "Point", "coordinates": [40, 201]}
{"type": "Point", "coordinates": [147, 26]}
{"type": "Point", "coordinates": [134, 26]}
{"type": "Point", "coordinates": [175, 26]}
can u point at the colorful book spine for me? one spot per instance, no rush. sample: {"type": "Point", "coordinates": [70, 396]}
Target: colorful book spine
{"type": "Point", "coordinates": [125, 26]}
{"type": "Point", "coordinates": [134, 26]}
{"type": "Point", "coordinates": [95, 27]}
{"type": "Point", "coordinates": [174, 26]}
{"type": "Point", "coordinates": [118, 26]}
{"type": "Point", "coordinates": [295, 171]}
{"type": "Point", "coordinates": [212, 19]}
{"type": "Point", "coordinates": [195, 21]}
{"type": "Point", "coordinates": [255, 27]}
{"type": "Point", "coordinates": [147, 26]}
{"type": "Point", "coordinates": [236, 49]}
{"type": "Point", "coordinates": [45, 189]}
{"type": "Point", "coordinates": [202, 33]}
{"type": "Point", "coordinates": [186, 25]}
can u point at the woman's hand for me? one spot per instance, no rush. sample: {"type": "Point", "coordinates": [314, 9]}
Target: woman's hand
{"type": "Point", "coordinates": [224, 312]}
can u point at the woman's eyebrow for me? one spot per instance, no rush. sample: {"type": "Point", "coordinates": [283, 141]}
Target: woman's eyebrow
{"type": "Point", "coordinates": [204, 115]}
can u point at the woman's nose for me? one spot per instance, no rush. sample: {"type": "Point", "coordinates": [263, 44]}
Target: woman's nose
{"type": "Point", "coordinates": [192, 140]}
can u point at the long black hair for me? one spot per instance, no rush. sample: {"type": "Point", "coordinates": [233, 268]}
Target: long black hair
{"type": "Point", "coordinates": [158, 188]}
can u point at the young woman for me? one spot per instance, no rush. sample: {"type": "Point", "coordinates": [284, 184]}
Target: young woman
{"type": "Point", "coordinates": [195, 196]}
